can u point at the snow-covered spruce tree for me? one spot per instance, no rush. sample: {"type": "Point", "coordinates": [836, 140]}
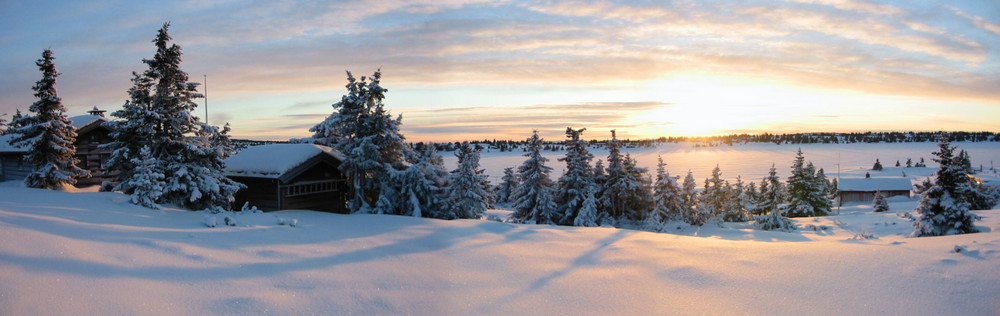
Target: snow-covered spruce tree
{"type": "Point", "coordinates": [365, 132]}
{"type": "Point", "coordinates": [587, 216]}
{"type": "Point", "coordinates": [879, 203]}
{"type": "Point", "coordinates": [806, 196]}
{"type": "Point", "coordinates": [909, 163]}
{"type": "Point", "coordinates": [689, 202]}
{"type": "Point", "coordinates": [736, 203]}
{"type": "Point", "coordinates": [17, 120]}
{"type": "Point", "coordinates": [752, 200]}
{"type": "Point", "coordinates": [877, 166]}
{"type": "Point", "coordinates": [772, 194]}
{"type": "Point", "coordinates": [3, 124]}
{"type": "Point", "coordinates": [159, 116]}
{"type": "Point", "coordinates": [572, 186]}
{"type": "Point", "coordinates": [714, 198]}
{"type": "Point", "coordinates": [421, 186]}
{"type": "Point", "coordinates": [508, 183]}
{"type": "Point", "coordinates": [613, 192]}
{"type": "Point", "coordinates": [48, 134]}
{"type": "Point", "coordinates": [667, 204]}
{"type": "Point", "coordinates": [146, 181]}
{"type": "Point", "coordinates": [466, 194]}
{"type": "Point", "coordinates": [943, 207]}
{"type": "Point", "coordinates": [534, 198]}
{"type": "Point", "coordinates": [133, 130]}
{"type": "Point", "coordinates": [639, 189]}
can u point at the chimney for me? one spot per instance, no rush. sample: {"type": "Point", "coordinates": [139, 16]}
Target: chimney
{"type": "Point", "coordinates": [97, 112]}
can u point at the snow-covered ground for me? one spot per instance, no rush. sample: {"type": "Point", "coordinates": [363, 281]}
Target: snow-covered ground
{"type": "Point", "coordinates": [93, 253]}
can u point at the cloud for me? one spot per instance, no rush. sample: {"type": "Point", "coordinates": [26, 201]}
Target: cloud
{"type": "Point", "coordinates": [977, 20]}
{"type": "Point", "coordinates": [858, 6]}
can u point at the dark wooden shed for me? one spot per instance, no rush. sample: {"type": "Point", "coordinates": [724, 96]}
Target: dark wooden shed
{"type": "Point", "coordinates": [289, 176]}
{"type": "Point", "coordinates": [863, 189]}
{"type": "Point", "coordinates": [91, 133]}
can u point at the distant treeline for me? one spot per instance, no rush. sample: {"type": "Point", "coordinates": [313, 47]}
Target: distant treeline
{"type": "Point", "coordinates": [712, 141]}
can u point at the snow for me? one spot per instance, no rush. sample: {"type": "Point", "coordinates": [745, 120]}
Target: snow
{"type": "Point", "coordinates": [274, 160]}
{"type": "Point", "coordinates": [5, 146]}
{"type": "Point", "coordinates": [87, 252]}
{"type": "Point", "coordinates": [81, 121]}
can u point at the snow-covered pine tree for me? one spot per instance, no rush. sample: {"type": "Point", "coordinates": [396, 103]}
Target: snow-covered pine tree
{"type": "Point", "coordinates": [667, 204]}
{"type": "Point", "coordinates": [3, 124]}
{"type": "Point", "coordinates": [833, 193]}
{"type": "Point", "coordinates": [16, 120]}
{"type": "Point", "coordinates": [159, 116]}
{"type": "Point", "coordinates": [736, 202]}
{"type": "Point", "coordinates": [133, 130]}
{"type": "Point", "coordinates": [600, 177]}
{"type": "Point", "coordinates": [508, 183]}
{"type": "Point", "coordinates": [962, 160]}
{"type": "Point", "coordinates": [819, 197]}
{"type": "Point", "coordinates": [635, 188]}
{"type": "Point", "coordinates": [220, 140]}
{"type": "Point", "coordinates": [714, 198]}
{"type": "Point", "coordinates": [466, 195]}
{"type": "Point", "coordinates": [587, 216]}
{"type": "Point", "coordinates": [877, 166]}
{"type": "Point", "coordinates": [689, 202]}
{"type": "Point", "coordinates": [48, 134]}
{"type": "Point", "coordinates": [572, 186]}
{"type": "Point", "coordinates": [921, 163]}
{"type": "Point", "coordinates": [422, 184]}
{"type": "Point", "coordinates": [943, 207]}
{"type": "Point", "coordinates": [771, 196]}
{"type": "Point", "coordinates": [367, 134]}
{"type": "Point", "coordinates": [146, 181]}
{"type": "Point", "coordinates": [614, 190]}
{"type": "Point", "coordinates": [806, 195]}
{"type": "Point", "coordinates": [879, 203]}
{"type": "Point", "coordinates": [534, 198]}
{"type": "Point", "coordinates": [752, 200]}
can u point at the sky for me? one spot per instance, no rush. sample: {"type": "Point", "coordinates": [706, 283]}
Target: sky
{"type": "Point", "coordinates": [473, 69]}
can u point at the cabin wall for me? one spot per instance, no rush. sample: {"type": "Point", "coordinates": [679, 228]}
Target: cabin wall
{"type": "Point", "coordinates": [92, 157]}
{"type": "Point", "coordinates": [325, 181]}
{"type": "Point", "coordinates": [260, 192]}
{"type": "Point", "coordinates": [862, 196]}
{"type": "Point", "coordinates": [13, 167]}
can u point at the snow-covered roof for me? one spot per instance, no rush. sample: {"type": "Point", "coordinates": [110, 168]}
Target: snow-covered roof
{"type": "Point", "coordinates": [274, 160]}
{"type": "Point", "coordinates": [5, 146]}
{"type": "Point", "coordinates": [873, 184]}
{"type": "Point", "coordinates": [82, 121]}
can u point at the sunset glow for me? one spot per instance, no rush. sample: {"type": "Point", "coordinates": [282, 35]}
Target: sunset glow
{"type": "Point", "coordinates": [481, 69]}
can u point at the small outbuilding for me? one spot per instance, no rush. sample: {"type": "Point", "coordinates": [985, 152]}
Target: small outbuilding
{"type": "Point", "coordinates": [91, 133]}
{"type": "Point", "coordinates": [863, 189]}
{"type": "Point", "coordinates": [289, 176]}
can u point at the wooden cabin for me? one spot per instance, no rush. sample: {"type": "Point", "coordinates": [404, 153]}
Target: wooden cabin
{"type": "Point", "coordinates": [289, 176]}
{"type": "Point", "coordinates": [90, 133]}
{"type": "Point", "coordinates": [12, 165]}
{"type": "Point", "coordinates": [863, 189]}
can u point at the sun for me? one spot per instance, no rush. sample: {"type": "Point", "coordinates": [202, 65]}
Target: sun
{"type": "Point", "coordinates": [710, 106]}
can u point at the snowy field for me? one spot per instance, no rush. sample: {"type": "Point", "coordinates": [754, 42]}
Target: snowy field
{"type": "Point", "coordinates": [93, 253]}
{"type": "Point", "coordinates": [752, 161]}
{"type": "Point", "coordinates": [87, 252]}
